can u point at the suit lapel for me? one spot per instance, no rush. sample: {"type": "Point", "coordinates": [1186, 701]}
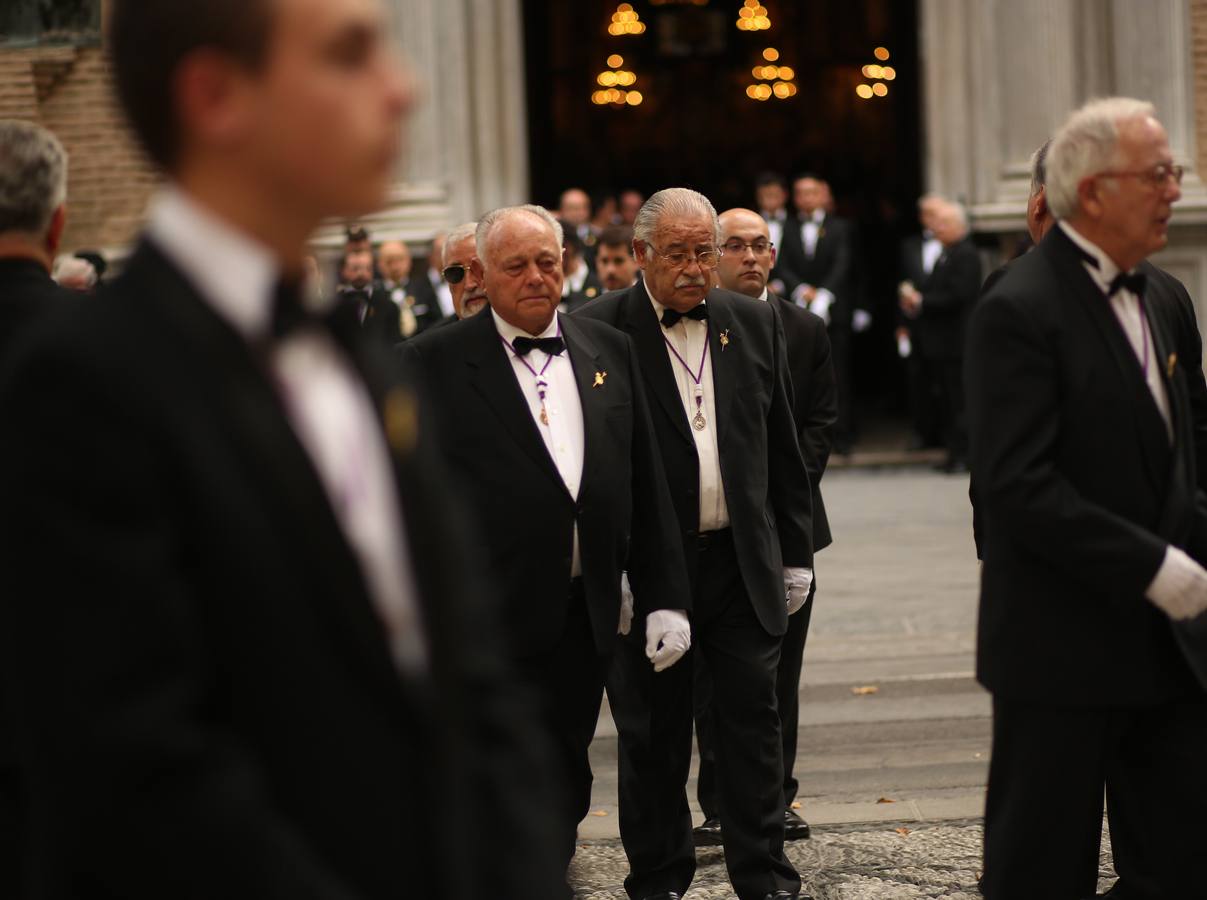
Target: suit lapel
{"type": "Point", "coordinates": [723, 340]}
{"type": "Point", "coordinates": [1150, 427]}
{"type": "Point", "coordinates": [644, 328]}
{"type": "Point", "coordinates": [257, 425]}
{"type": "Point", "coordinates": [494, 378]}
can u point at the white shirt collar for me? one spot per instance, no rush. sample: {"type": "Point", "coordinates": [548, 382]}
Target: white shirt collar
{"type": "Point", "coordinates": [762, 296]}
{"type": "Point", "coordinates": [510, 332]}
{"type": "Point", "coordinates": [1106, 269]}
{"type": "Point", "coordinates": [660, 308]}
{"type": "Point", "coordinates": [818, 216]}
{"type": "Point", "coordinates": [234, 273]}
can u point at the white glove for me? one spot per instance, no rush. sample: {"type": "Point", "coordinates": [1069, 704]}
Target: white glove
{"type": "Point", "coordinates": [626, 605]}
{"type": "Point", "coordinates": [668, 635]}
{"type": "Point", "coordinates": [1180, 587]}
{"type": "Point", "coordinates": [861, 321]}
{"type": "Point", "coordinates": [796, 586]}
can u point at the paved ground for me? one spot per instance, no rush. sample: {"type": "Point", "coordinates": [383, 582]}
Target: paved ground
{"type": "Point", "coordinates": [895, 731]}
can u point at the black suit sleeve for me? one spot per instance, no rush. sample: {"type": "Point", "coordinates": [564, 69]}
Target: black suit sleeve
{"type": "Point", "coordinates": [839, 277]}
{"type": "Point", "coordinates": [1190, 351]}
{"type": "Point", "coordinates": [789, 491]}
{"type": "Point", "coordinates": [958, 284]}
{"type": "Point", "coordinates": [151, 797]}
{"type": "Point", "coordinates": [819, 406]}
{"type": "Point", "coordinates": [1014, 412]}
{"type": "Point", "coordinates": [657, 570]}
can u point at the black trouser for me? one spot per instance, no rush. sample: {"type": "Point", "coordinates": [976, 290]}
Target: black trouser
{"type": "Point", "coordinates": [787, 700]}
{"type": "Point", "coordinates": [840, 356]}
{"type": "Point", "coordinates": [653, 713]}
{"type": "Point", "coordinates": [569, 680]}
{"type": "Point", "coordinates": [948, 376]}
{"type": "Point", "coordinates": [1043, 815]}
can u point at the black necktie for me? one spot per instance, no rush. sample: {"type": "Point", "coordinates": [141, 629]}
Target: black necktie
{"type": "Point", "coordinates": [551, 346]}
{"type": "Point", "coordinates": [672, 316]}
{"type": "Point", "coordinates": [1134, 282]}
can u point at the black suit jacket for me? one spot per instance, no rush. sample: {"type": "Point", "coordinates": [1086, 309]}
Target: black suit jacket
{"type": "Point", "coordinates": [832, 265]}
{"type": "Point", "coordinates": [1080, 492]}
{"type": "Point", "coordinates": [948, 296]}
{"type": "Point", "coordinates": [209, 704]}
{"type": "Point", "coordinates": [766, 483]}
{"type": "Point", "coordinates": [814, 400]}
{"type": "Point", "coordinates": [524, 511]}
{"type": "Point", "coordinates": [26, 292]}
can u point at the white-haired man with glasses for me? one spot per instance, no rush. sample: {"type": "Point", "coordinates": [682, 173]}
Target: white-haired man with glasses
{"type": "Point", "coordinates": [716, 367]}
{"type": "Point", "coordinates": [467, 286]}
{"type": "Point", "coordinates": [1093, 633]}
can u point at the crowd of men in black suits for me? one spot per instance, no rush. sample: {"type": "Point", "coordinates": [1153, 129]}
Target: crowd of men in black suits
{"type": "Point", "coordinates": [319, 596]}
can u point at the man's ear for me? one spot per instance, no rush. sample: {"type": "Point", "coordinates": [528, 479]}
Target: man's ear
{"type": "Point", "coordinates": [1089, 192]}
{"type": "Point", "coordinates": [54, 234]}
{"type": "Point", "coordinates": [774, 253]}
{"type": "Point", "coordinates": [212, 98]}
{"type": "Point", "coordinates": [640, 252]}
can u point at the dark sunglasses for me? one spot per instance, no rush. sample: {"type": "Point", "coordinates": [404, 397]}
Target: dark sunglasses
{"type": "Point", "coordinates": [455, 273]}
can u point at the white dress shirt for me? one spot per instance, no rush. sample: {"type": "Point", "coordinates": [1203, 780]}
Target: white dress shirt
{"type": "Point", "coordinates": [932, 249]}
{"type": "Point", "coordinates": [444, 295]}
{"type": "Point", "coordinates": [1128, 311]}
{"type": "Point", "coordinates": [564, 436]}
{"type": "Point", "coordinates": [689, 338]}
{"type": "Point", "coordinates": [323, 397]}
{"type": "Point", "coordinates": [823, 299]}
{"type": "Point", "coordinates": [775, 226]}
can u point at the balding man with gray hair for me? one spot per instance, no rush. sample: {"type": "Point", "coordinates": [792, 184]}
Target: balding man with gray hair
{"type": "Point", "coordinates": [33, 194]}
{"type": "Point", "coordinates": [1093, 610]}
{"type": "Point", "coordinates": [715, 365]}
{"type": "Point", "coordinates": [544, 421]}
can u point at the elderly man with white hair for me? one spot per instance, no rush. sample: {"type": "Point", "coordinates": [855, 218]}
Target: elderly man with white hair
{"type": "Point", "coordinates": [544, 422]}
{"type": "Point", "coordinates": [465, 283]}
{"type": "Point", "coordinates": [715, 364]}
{"type": "Point", "coordinates": [1092, 629]}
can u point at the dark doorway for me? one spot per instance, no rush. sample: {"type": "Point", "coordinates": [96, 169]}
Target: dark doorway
{"type": "Point", "coordinates": [697, 126]}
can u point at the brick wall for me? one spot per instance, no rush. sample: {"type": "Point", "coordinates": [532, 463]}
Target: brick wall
{"type": "Point", "coordinates": [67, 89]}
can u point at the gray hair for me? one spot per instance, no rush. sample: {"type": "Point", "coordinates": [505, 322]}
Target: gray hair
{"type": "Point", "coordinates": [1039, 166]}
{"type": "Point", "coordinates": [33, 177]}
{"type": "Point", "coordinates": [488, 222]}
{"type": "Point", "coordinates": [672, 202]}
{"type": "Point", "coordinates": [456, 236]}
{"type": "Point", "coordinates": [1087, 143]}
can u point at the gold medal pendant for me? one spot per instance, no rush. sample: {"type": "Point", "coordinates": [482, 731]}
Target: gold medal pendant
{"type": "Point", "coordinates": [544, 416]}
{"type": "Point", "coordinates": [698, 422]}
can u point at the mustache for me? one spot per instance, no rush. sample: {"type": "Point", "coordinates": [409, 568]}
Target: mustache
{"type": "Point", "coordinates": [690, 281]}
{"type": "Point", "coordinates": [476, 294]}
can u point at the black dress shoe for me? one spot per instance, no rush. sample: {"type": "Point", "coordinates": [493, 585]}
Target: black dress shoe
{"type": "Point", "coordinates": [708, 834]}
{"type": "Point", "coordinates": [795, 828]}
{"type": "Point", "coordinates": [665, 895]}
{"type": "Point", "coordinates": [787, 895]}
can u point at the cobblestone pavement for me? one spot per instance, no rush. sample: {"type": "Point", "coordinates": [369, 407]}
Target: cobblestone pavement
{"type": "Point", "coordinates": [888, 861]}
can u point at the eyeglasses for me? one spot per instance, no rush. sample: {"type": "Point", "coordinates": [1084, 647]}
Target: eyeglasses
{"type": "Point", "coordinates": [737, 247]}
{"type": "Point", "coordinates": [706, 259]}
{"type": "Point", "coordinates": [1158, 176]}
{"type": "Point", "coordinates": [455, 273]}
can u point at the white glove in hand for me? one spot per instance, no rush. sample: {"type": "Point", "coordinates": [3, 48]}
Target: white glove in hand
{"type": "Point", "coordinates": [861, 321]}
{"type": "Point", "coordinates": [796, 586]}
{"type": "Point", "coordinates": [668, 636]}
{"type": "Point", "coordinates": [1180, 588]}
{"type": "Point", "coordinates": [626, 605]}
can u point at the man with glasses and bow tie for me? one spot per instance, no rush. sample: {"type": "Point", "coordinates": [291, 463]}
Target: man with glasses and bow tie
{"type": "Point", "coordinates": [1093, 611]}
{"type": "Point", "coordinates": [544, 421]}
{"type": "Point", "coordinates": [716, 370]}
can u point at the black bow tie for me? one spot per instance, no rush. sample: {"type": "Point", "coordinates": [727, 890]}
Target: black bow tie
{"type": "Point", "coordinates": [289, 314]}
{"type": "Point", "coordinates": [550, 346]}
{"type": "Point", "coordinates": [671, 316]}
{"type": "Point", "coordinates": [1134, 282]}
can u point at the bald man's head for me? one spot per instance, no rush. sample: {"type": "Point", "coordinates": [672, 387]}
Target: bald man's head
{"type": "Point", "coordinates": [748, 255]}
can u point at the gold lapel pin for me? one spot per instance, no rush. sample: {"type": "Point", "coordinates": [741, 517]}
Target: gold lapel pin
{"type": "Point", "coordinates": [1171, 365]}
{"type": "Point", "coordinates": [724, 339]}
{"type": "Point", "coordinates": [400, 416]}
{"type": "Point", "coordinates": [599, 379]}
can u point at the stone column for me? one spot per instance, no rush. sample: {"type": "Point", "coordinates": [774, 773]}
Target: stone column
{"type": "Point", "coordinates": [467, 147]}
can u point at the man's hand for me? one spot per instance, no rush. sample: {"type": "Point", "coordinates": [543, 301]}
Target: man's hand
{"type": "Point", "coordinates": [626, 605]}
{"type": "Point", "coordinates": [668, 636]}
{"type": "Point", "coordinates": [1180, 588]}
{"type": "Point", "coordinates": [796, 586]}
